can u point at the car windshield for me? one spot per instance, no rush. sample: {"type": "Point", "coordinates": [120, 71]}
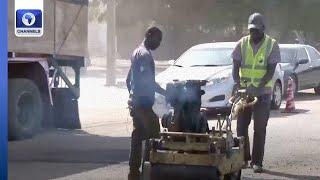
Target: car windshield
{"type": "Point", "coordinates": [288, 55]}
{"type": "Point", "coordinates": [205, 57]}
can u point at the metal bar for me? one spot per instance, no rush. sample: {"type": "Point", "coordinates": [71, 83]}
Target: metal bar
{"type": "Point", "coordinates": [77, 76]}
{"type": "Point", "coordinates": [53, 77]}
{"type": "Point", "coordinates": [185, 146]}
{"type": "Point", "coordinates": [70, 60]}
{"type": "Point", "coordinates": [74, 90]}
{"type": "Point", "coordinates": [183, 134]}
{"type": "Point", "coordinates": [186, 159]}
{"type": "Point", "coordinates": [80, 2]}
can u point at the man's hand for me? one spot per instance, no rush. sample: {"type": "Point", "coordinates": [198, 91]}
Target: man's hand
{"type": "Point", "coordinates": [160, 90]}
{"type": "Point", "coordinates": [236, 88]}
{"type": "Point", "coordinates": [237, 85]}
{"type": "Point", "coordinates": [235, 71]}
{"type": "Point", "coordinates": [128, 80]}
{"type": "Point", "coordinates": [130, 102]}
{"type": "Point", "coordinates": [261, 85]}
{"type": "Point", "coordinates": [130, 105]}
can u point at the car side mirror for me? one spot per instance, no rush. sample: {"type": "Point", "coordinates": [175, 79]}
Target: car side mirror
{"type": "Point", "coordinates": [171, 62]}
{"type": "Point", "coordinates": [303, 61]}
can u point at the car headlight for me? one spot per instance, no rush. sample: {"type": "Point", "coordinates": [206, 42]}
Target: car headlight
{"type": "Point", "coordinates": [162, 85]}
{"type": "Point", "coordinates": [216, 81]}
{"type": "Point", "coordinates": [219, 79]}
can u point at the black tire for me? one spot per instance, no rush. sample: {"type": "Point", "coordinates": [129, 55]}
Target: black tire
{"type": "Point", "coordinates": [276, 101]}
{"type": "Point", "coordinates": [233, 176]}
{"type": "Point", "coordinates": [317, 90]}
{"type": "Point", "coordinates": [25, 109]}
{"type": "Point", "coordinates": [65, 109]}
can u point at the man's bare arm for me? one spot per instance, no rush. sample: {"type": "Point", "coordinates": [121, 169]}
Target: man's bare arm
{"type": "Point", "coordinates": [160, 90]}
{"type": "Point", "coordinates": [235, 72]}
{"type": "Point", "coordinates": [128, 80]}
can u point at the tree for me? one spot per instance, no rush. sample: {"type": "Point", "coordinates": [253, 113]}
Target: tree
{"type": "Point", "coordinates": [188, 22]}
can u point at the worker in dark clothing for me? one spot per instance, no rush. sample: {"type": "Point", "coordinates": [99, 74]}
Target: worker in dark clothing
{"type": "Point", "coordinates": [142, 87]}
{"type": "Point", "coordinates": [254, 62]}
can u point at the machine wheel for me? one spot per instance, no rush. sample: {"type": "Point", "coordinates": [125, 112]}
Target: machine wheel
{"type": "Point", "coordinates": [25, 109]}
{"type": "Point", "coordinates": [233, 176]}
{"type": "Point", "coordinates": [185, 172]}
{"type": "Point", "coordinates": [276, 96]}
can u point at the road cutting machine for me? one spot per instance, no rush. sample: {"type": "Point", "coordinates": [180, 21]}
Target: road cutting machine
{"type": "Point", "coordinates": [187, 147]}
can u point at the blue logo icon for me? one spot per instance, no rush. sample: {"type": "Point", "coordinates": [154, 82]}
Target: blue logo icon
{"type": "Point", "coordinates": [29, 23]}
{"type": "Point", "coordinates": [29, 18]}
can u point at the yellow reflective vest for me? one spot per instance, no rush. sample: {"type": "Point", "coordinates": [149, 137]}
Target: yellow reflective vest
{"type": "Point", "coordinates": [254, 67]}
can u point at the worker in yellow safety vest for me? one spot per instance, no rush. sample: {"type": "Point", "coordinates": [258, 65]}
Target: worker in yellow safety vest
{"type": "Point", "coordinates": [254, 62]}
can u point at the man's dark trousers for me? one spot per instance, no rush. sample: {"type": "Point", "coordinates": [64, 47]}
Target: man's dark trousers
{"type": "Point", "coordinates": [145, 126]}
{"type": "Point", "coordinates": [260, 112]}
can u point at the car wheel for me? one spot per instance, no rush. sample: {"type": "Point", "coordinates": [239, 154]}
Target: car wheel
{"type": "Point", "coordinates": [276, 96]}
{"type": "Point", "coordinates": [317, 90]}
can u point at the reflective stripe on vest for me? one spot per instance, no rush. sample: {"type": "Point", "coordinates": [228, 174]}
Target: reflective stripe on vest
{"type": "Point", "coordinates": [254, 67]}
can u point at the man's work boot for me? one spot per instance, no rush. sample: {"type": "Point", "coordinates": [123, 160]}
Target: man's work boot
{"type": "Point", "coordinates": [134, 175]}
{"type": "Point", "coordinates": [257, 169]}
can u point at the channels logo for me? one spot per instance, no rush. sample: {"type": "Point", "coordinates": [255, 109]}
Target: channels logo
{"type": "Point", "coordinates": [29, 23]}
{"type": "Point", "coordinates": [28, 19]}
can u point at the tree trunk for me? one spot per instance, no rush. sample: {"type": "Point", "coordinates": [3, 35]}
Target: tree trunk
{"type": "Point", "coordinates": [111, 38]}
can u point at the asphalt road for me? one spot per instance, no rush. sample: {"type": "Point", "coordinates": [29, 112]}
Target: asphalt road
{"type": "Point", "coordinates": [100, 149]}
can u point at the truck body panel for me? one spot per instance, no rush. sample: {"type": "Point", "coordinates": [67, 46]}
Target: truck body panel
{"type": "Point", "coordinates": [65, 29]}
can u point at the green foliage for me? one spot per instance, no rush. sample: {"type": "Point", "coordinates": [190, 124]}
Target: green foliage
{"type": "Point", "coordinates": [197, 21]}
{"type": "Point", "coordinates": [97, 10]}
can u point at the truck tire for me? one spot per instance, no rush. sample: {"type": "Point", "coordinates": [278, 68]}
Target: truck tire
{"type": "Point", "coordinates": [233, 176]}
{"type": "Point", "coordinates": [65, 109]}
{"type": "Point", "coordinates": [25, 109]}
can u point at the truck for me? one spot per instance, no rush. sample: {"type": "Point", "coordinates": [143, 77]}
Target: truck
{"type": "Point", "coordinates": [41, 94]}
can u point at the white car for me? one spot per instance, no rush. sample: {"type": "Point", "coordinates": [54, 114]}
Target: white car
{"type": "Point", "coordinates": [212, 62]}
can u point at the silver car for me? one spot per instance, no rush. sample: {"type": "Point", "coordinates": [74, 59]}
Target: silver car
{"type": "Point", "coordinates": [211, 62]}
{"type": "Point", "coordinates": [301, 63]}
